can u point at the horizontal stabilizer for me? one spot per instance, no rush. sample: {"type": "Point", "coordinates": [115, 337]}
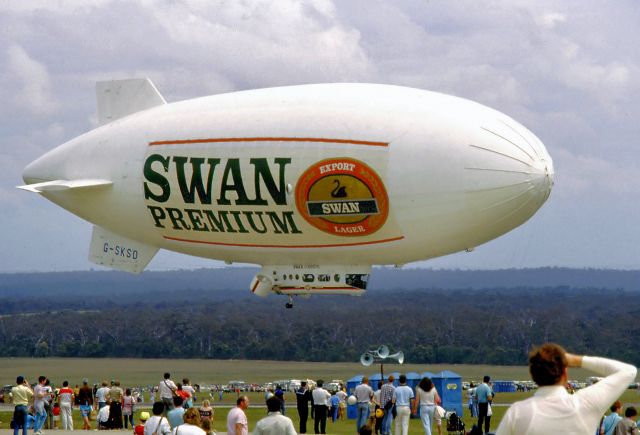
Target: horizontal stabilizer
{"type": "Point", "coordinates": [119, 98]}
{"type": "Point", "coordinates": [57, 185]}
{"type": "Point", "coordinates": [118, 252]}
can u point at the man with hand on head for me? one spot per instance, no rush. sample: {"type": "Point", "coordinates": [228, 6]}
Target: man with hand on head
{"type": "Point", "coordinates": [552, 410]}
{"type": "Point", "coordinates": [20, 395]}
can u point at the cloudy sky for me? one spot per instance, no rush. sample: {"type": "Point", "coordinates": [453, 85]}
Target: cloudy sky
{"type": "Point", "coordinates": [569, 71]}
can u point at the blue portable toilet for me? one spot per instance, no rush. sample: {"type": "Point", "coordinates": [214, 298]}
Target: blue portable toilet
{"type": "Point", "coordinates": [374, 380]}
{"type": "Point", "coordinates": [449, 386]}
{"type": "Point", "coordinates": [504, 386]}
{"type": "Point", "coordinates": [352, 410]}
{"type": "Point", "coordinates": [427, 375]}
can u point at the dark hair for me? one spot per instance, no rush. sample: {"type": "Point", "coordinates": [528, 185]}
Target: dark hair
{"type": "Point", "coordinates": [319, 382]}
{"type": "Point", "coordinates": [177, 401]}
{"type": "Point", "coordinates": [179, 386]}
{"type": "Point", "coordinates": [547, 364]}
{"type": "Point", "coordinates": [20, 380]}
{"type": "Point", "coordinates": [402, 379]}
{"type": "Point", "coordinates": [425, 384]}
{"type": "Point", "coordinates": [616, 405]}
{"type": "Point", "coordinates": [127, 392]}
{"type": "Point", "coordinates": [630, 412]}
{"type": "Point", "coordinates": [365, 430]}
{"type": "Point", "coordinates": [380, 384]}
{"type": "Point", "coordinates": [471, 385]}
{"type": "Point", "coordinates": [158, 408]}
{"type": "Point", "coordinates": [41, 378]}
{"type": "Point", "coordinates": [185, 381]}
{"type": "Point", "coordinates": [486, 378]}
{"type": "Point", "coordinates": [303, 383]}
{"type": "Point", "coordinates": [167, 375]}
{"type": "Point", "coordinates": [273, 404]}
{"type": "Point", "coordinates": [65, 384]}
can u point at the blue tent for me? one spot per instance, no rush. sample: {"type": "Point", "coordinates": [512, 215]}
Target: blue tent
{"type": "Point", "coordinates": [374, 380]}
{"type": "Point", "coordinates": [449, 386]}
{"type": "Point", "coordinates": [413, 379]}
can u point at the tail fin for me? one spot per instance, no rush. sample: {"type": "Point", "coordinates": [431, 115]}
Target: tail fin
{"type": "Point", "coordinates": [119, 98]}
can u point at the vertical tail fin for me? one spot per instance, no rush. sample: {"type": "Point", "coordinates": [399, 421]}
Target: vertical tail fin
{"type": "Point", "coordinates": [119, 98]}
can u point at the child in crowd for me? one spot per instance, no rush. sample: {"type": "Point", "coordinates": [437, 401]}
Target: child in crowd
{"type": "Point", "coordinates": [335, 404]}
{"type": "Point", "coordinates": [56, 414]}
{"type": "Point", "coordinates": [103, 418]}
{"type": "Point", "coordinates": [139, 429]}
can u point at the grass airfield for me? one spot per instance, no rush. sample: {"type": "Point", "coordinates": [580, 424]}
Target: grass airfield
{"type": "Point", "coordinates": [144, 372]}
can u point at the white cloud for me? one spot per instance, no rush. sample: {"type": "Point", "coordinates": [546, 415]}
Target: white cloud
{"type": "Point", "coordinates": [34, 91]}
{"type": "Point", "coordinates": [550, 20]}
{"type": "Point", "coordinates": [580, 176]}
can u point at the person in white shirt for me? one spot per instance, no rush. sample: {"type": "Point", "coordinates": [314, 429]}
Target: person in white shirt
{"type": "Point", "coordinates": [103, 418]}
{"type": "Point", "coordinates": [237, 423]}
{"type": "Point", "coordinates": [191, 424]}
{"type": "Point", "coordinates": [274, 423]}
{"type": "Point", "coordinates": [158, 424]}
{"type": "Point", "coordinates": [402, 397]}
{"type": "Point", "coordinates": [39, 401]}
{"type": "Point", "coordinates": [552, 410]}
{"type": "Point", "coordinates": [102, 395]}
{"type": "Point", "coordinates": [321, 403]}
{"type": "Point", "coordinates": [166, 391]}
{"type": "Point", "coordinates": [427, 398]}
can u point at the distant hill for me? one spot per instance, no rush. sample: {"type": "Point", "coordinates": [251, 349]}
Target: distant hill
{"type": "Point", "coordinates": [434, 316]}
{"type": "Point", "coordinates": [233, 282]}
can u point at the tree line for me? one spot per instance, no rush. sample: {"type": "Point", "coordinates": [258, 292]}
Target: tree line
{"type": "Point", "coordinates": [488, 326]}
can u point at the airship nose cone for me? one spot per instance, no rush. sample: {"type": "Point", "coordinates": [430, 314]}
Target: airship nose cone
{"type": "Point", "coordinates": [37, 171]}
{"type": "Point", "coordinates": [42, 169]}
{"type": "Point", "coordinates": [509, 175]}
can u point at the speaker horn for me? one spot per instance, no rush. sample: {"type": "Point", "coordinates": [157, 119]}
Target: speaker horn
{"type": "Point", "coordinates": [398, 356]}
{"type": "Point", "coordinates": [383, 352]}
{"type": "Point", "coordinates": [366, 359]}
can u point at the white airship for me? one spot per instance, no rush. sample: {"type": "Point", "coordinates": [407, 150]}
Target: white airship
{"type": "Point", "coordinates": [315, 183]}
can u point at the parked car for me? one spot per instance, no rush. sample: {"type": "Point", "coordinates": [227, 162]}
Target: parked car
{"type": "Point", "coordinates": [4, 393]}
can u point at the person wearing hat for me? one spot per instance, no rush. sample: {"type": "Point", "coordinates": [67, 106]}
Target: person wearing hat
{"type": "Point", "coordinates": [85, 400]}
{"type": "Point", "coordinates": [139, 429]}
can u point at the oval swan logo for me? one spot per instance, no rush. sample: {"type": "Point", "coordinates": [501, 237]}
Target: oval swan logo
{"type": "Point", "coordinates": [342, 196]}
